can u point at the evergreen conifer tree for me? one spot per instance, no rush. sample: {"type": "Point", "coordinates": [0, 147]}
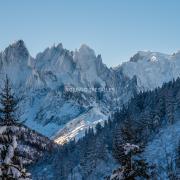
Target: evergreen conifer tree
{"type": "Point", "coordinates": [11, 164]}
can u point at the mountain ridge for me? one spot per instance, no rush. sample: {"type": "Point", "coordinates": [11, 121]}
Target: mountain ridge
{"type": "Point", "coordinates": [60, 86]}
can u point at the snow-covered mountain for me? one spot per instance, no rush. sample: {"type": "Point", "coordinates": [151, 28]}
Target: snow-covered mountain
{"type": "Point", "coordinates": [64, 92]}
{"type": "Point", "coordinates": [152, 69]}
{"type": "Point", "coordinates": [59, 86]}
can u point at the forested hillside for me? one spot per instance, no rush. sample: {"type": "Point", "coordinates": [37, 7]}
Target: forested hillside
{"type": "Point", "coordinates": [149, 122]}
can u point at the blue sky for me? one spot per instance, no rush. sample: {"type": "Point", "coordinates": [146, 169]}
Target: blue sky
{"type": "Point", "coordinates": [116, 29]}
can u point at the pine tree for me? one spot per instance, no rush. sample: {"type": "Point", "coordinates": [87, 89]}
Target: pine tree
{"type": "Point", "coordinates": [88, 160]}
{"type": "Point", "coordinates": [178, 161]}
{"type": "Point", "coordinates": [170, 106]}
{"type": "Point", "coordinates": [131, 168]}
{"type": "Point", "coordinates": [124, 133]}
{"type": "Point", "coordinates": [125, 151]}
{"type": "Point", "coordinates": [117, 144]}
{"type": "Point", "coordinates": [8, 104]}
{"type": "Point", "coordinates": [11, 165]}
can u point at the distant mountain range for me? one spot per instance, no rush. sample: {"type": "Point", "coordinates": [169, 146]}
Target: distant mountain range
{"type": "Point", "coordinates": [65, 92]}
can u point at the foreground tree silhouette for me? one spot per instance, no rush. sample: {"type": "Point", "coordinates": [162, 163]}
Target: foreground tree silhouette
{"type": "Point", "coordinates": [8, 105]}
{"type": "Point", "coordinates": [11, 165]}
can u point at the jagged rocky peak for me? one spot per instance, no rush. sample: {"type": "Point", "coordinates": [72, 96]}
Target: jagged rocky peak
{"type": "Point", "coordinates": [18, 44]}
{"type": "Point", "coordinates": [89, 67]}
{"type": "Point", "coordinates": [48, 52]}
{"type": "Point", "coordinates": [99, 57]}
{"type": "Point", "coordinates": [140, 55]}
{"type": "Point", "coordinates": [59, 46]}
{"type": "Point", "coordinates": [176, 55]}
{"type": "Point", "coordinates": [85, 49]}
{"type": "Point", "coordinates": [15, 61]}
{"type": "Point", "coordinates": [84, 53]}
{"type": "Point", "coordinates": [15, 53]}
{"type": "Point", "coordinates": [18, 47]}
{"type": "Point", "coordinates": [53, 56]}
{"type": "Point", "coordinates": [85, 57]}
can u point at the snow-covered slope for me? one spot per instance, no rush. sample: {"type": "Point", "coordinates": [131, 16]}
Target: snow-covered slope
{"type": "Point", "coordinates": [15, 61]}
{"type": "Point", "coordinates": [76, 127]}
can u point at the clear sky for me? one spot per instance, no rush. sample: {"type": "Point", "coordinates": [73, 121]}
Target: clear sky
{"type": "Point", "coordinates": [116, 29]}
